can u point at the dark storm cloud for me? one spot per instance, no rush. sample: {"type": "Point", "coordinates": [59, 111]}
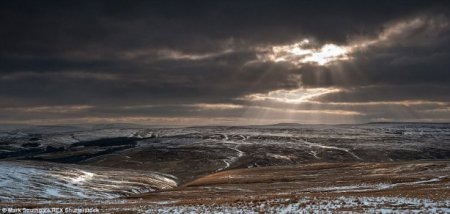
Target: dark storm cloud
{"type": "Point", "coordinates": [62, 26]}
{"type": "Point", "coordinates": [174, 53]}
{"type": "Point", "coordinates": [177, 82]}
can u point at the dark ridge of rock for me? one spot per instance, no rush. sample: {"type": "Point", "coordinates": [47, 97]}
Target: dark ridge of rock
{"type": "Point", "coordinates": [78, 157]}
{"type": "Point", "coordinates": [20, 153]}
{"type": "Point", "coordinates": [28, 145]}
{"type": "Point", "coordinates": [119, 141]}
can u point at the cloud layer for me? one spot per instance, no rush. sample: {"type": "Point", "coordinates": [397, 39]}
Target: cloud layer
{"type": "Point", "coordinates": [225, 62]}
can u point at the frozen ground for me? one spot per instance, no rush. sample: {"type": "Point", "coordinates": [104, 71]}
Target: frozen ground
{"type": "Point", "coordinates": [411, 187]}
{"type": "Point", "coordinates": [25, 180]}
{"type": "Point", "coordinates": [379, 163]}
{"type": "Point", "coordinates": [315, 205]}
{"type": "Point", "coordinates": [210, 149]}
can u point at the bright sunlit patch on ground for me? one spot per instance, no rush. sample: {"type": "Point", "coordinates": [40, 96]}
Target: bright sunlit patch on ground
{"type": "Point", "coordinates": [83, 177]}
{"type": "Point", "coordinates": [293, 96]}
{"type": "Point", "coordinates": [302, 52]}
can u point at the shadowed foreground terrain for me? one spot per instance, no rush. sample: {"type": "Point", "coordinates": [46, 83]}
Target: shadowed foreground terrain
{"type": "Point", "coordinates": [279, 168]}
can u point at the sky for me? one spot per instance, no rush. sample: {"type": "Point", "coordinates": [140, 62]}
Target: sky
{"type": "Point", "coordinates": [224, 62]}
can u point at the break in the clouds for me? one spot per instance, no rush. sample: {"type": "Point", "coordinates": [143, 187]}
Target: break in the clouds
{"type": "Point", "coordinates": [224, 62]}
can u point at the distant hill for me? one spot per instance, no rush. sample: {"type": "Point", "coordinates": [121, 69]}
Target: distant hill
{"type": "Point", "coordinates": [406, 122]}
{"type": "Point", "coordinates": [286, 124]}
